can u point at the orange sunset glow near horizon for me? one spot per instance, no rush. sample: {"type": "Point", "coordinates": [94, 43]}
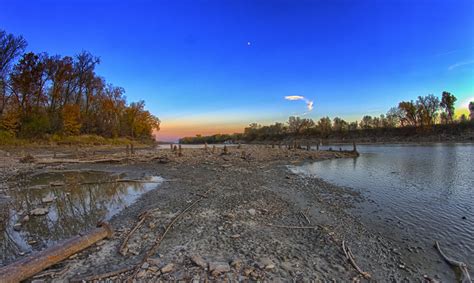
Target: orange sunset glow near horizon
{"type": "Point", "coordinates": [174, 130]}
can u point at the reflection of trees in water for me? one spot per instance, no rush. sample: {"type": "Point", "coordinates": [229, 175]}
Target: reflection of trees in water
{"type": "Point", "coordinates": [76, 208]}
{"type": "Point", "coordinates": [8, 246]}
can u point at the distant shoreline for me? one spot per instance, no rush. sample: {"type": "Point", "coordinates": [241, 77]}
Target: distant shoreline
{"type": "Point", "coordinates": [383, 142]}
{"type": "Point", "coordinates": [313, 141]}
{"type": "Point", "coordinates": [461, 132]}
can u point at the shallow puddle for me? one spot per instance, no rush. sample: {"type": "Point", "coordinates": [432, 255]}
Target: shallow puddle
{"type": "Point", "coordinates": [55, 206]}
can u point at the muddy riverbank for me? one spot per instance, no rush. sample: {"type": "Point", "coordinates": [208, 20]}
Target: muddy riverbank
{"type": "Point", "coordinates": [251, 218]}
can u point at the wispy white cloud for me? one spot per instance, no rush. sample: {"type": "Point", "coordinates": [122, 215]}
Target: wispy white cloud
{"type": "Point", "coordinates": [460, 64]}
{"type": "Point", "coordinates": [309, 103]}
{"type": "Point", "coordinates": [294, 97]}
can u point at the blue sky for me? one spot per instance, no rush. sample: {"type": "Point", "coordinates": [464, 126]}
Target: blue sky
{"type": "Point", "coordinates": [206, 66]}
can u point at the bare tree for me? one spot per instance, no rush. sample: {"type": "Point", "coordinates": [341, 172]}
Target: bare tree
{"type": "Point", "coordinates": [427, 109]}
{"type": "Point", "coordinates": [11, 47]}
{"type": "Point", "coordinates": [393, 117]}
{"type": "Point", "coordinates": [407, 113]}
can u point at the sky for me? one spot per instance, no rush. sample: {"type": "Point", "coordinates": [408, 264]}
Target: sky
{"type": "Point", "coordinates": [206, 67]}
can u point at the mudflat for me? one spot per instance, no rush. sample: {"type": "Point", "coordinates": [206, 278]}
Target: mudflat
{"type": "Point", "coordinates": [234, 214]}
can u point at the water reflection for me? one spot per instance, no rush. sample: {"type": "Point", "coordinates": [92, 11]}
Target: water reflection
{"type": "Point", "coordinates": [74, 202]}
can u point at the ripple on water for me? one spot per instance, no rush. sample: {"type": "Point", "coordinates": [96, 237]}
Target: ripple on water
{"type": "Point", "coordinates": [428, 188]}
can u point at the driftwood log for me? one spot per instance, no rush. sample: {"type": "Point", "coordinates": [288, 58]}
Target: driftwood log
{"type": "Point", "coordinates": [78, 161]}
{"type": "Point", "coordinates": [31, 265]}
{"type": "Point", "coordinates": [466, 278]}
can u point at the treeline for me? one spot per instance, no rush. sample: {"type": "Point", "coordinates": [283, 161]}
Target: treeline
{"type": "Point", "coordinates": [428, 115]}
{"type": "Point", "coordinates": [43, 95]}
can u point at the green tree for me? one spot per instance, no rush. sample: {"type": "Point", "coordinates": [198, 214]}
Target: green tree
{"type": "Point", "coordinates": [447, 104]}
{"type": "Point", "coordinates": [324, 126]}
{"type": "Point", "coordinates": [353, 126]}
{"type": "Point", "coordinates": [339, 125]}
{"type": "Point", "coordinates": [366, 122]}
{"type": "Point", "coordinates": [297, 125]}
{"type": "Point", "coordinates": [251, 132]}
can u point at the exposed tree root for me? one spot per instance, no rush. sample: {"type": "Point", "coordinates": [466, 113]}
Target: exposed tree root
{"type": "Point", "coordinates": [350, 257]}
{"type": "Point", "coordinates": [465, 278]}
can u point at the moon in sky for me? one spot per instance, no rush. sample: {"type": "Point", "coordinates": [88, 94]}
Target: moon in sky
{"type": "Point", "coordinates": [248, 43]}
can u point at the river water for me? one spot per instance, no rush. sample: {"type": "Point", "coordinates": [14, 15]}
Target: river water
{"type": "Point", "coordinates": [416, 193]}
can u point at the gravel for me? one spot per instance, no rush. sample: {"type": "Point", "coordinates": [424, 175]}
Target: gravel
{"type": "Point", "coordinates": [237, 229]}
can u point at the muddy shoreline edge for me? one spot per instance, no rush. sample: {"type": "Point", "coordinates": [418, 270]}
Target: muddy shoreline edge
{"type": "Point", "coordinates": [243, 230]}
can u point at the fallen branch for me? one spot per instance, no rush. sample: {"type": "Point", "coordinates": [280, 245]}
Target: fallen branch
{"type": "Point", "coordinates": [51, 273]}
{"type": "Point", "coordinates": [73, 161]}
{"type": "Point", "coordinates": [103, 275]}
{"type": "Point", "coordinates": [465, 278]}
{"type": "Point", "coordinates": [136, 181]}
{"type": "Point", "coordinates": [159, 239]}
{"type": "Point", "coordinates": [199, 195]}
{"type": "Point", "coordinates": [108, 160]}
{"type": "Point", "coordinates": [350, 257]}
{"type": "Point", "coordinates": [123, 247]}
{"type": "Point", "coordinates": [160, 159]}
{"type": "Point", "coordinates": [430, 280]}
{"type": "Point", "coordinates": [125, 181]}
{"type": "Point", "coordinates": [57, 161]}
{"type": "Point", "coordinates": [305, 217]}
{"type": "Point", "coordinates": [96, 182]}
{"type": "Point", "coordinates": [293, 227]}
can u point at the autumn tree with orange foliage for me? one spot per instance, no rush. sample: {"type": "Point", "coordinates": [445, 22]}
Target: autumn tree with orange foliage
{"type": "Point", "coordinates": [42, 95]}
